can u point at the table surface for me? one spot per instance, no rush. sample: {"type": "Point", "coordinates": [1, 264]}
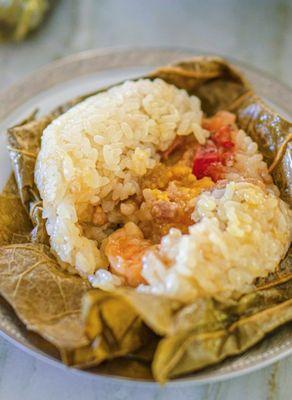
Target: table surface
{"type": "Point", "coordinates": [257, 32]}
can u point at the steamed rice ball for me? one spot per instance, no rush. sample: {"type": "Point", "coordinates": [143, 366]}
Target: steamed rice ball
{"type": "Point", "coordinates": [89, 170]}
{"type": "Point", "coordinates": [92, 156]}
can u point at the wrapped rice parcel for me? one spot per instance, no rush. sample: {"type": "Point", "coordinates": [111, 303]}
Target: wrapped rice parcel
{"type": "Point", "coordinates": [160, 209]}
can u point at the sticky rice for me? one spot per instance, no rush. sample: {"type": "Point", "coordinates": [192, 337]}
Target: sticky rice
{"type": "Point", "coordinates": [93, 155]}
{"type": "Point", "coordinates": [89, 174]}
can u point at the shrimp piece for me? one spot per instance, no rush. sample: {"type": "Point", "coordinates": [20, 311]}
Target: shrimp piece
{"type": "Point", "coordinates": [125, 249]}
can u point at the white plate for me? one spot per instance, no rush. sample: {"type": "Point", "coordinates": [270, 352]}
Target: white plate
{"type": "Point", "coordinates": [86, 72]}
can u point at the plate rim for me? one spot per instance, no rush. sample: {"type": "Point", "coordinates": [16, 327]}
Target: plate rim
{"type": "Point", "coordinates": [12, 91]}
{"type": "Point", "coordinates": [9, 95]}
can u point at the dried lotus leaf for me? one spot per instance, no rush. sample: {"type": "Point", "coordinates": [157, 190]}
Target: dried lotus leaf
{"type": "Point", "coordinates": [15, 225]}
{"type": "Point", "coordinates": [126, 368]}
{"type": "Point", "coordinates": [213, 80]}
{"type": "Point", "coordinates": [198, 317]}
{"type": "Point", "coordinates": [146, 353]}
{"type": "Point", "coordinates": [11, 186]}
{"type": "Point", "coordinates": [167, 316]}
{"type": "Point", "coordinates": [156, 311]}
{"type": "Point", "coordinates": [190, 351]}
{"type": "Point", "coordinates": [185, 353]}
{"type": "Point", "coordinates": [197, 327]}
{"type": "Point", "coordinates": [46, 299]}
{"type": "Point", "coordinates": [113, 327]}
{"type": "Point", "coordinates": [24, 143]}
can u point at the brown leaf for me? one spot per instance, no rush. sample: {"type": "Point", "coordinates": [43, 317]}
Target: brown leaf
{"type": "Point", "coordinates": [46, 299]}
{"type": "Point", "coordinates": [212, 79]}
{"type": "Point", "coordinates": [167, 316]}
{"type": "Point", "coordinates": [125, 367]}
{"type": "Point", "coordinates": [113, 328]}
{"type": "Point", "coordinates": [15, 224]}
{"type": "Point", "coordinates": [255, 315]}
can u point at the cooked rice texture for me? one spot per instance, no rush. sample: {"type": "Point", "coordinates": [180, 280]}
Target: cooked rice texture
{"type": "Point", "coordinates": [241, 232]}
{"type": "Point", "coordinates": [248, 162]}
{"type": "Point", "coordinates": [92, 156]}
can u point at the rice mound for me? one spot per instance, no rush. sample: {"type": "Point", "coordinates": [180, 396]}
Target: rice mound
{"type": "Point", "coordinates": [242, 231]}
{"type": "Point", "coordinates": [94, 154]}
